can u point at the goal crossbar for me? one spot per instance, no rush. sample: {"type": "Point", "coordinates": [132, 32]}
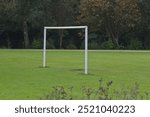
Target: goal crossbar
{"type": "Point", "coordinates": [68, 27]}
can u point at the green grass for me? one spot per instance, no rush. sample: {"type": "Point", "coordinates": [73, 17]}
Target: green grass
{"type": "Point", "coordinates": [22, 76]}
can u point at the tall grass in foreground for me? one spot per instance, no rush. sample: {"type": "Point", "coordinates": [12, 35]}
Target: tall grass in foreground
{"type": "Point", "coordinates": [104, 91]}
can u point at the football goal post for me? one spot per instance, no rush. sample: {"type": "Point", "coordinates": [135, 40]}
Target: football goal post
{"type": "Point", "coordinates": [68, 27]}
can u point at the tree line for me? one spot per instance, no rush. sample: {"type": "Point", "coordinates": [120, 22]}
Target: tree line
{"type": "Point", "coordinates": [113, 24]}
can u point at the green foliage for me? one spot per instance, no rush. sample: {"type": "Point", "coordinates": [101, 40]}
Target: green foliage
{"type": "Point", "coordinates": [94, 45]}
{"type": "Point", "coordinates": [82, 45]}
{"type": "Point", "coordinates": [105, 18]}
{"type": "Point", "coordinates": [59, 93]}
{"type": "Point", "coordinates": [130, 93]}
{"type": "Point", "coordinates": [37, 44]}
{"type": "Point", "coordinates": [147, 43]}
{"type": "Point", "coordinates": [50, 44]}
{"type": "Point", "coordinates": [102, 92]}
{"type": "Point", "coordinates": [71, 46]}
{"type": "Point", "coordinates": [107, 45]}
{"type": "Point", "coordinates": [109, 16]}
{"type": "Point", "coordinates": [87, 93]}
{"type": "Point", "coordinates": [91, 45]}
{"type": "Point", "coordinates": [135, 44]}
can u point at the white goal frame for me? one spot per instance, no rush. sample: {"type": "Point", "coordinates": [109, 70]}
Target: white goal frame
{"type": "Point", "coordinates": [68, 27]}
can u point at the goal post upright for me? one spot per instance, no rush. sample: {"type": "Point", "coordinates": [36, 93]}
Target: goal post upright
{"type": "Point", "coordinates": [44, 48]}
{"type": "Point", "coordinates": [86, 50]}
{"type": "Point", "coordinates": [68, 27]}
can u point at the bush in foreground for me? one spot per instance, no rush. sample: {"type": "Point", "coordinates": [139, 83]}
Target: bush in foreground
{"type": "Point", "coordinates": [104, 91]}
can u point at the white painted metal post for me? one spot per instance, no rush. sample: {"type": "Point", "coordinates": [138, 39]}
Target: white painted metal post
{"type": "Point", "coordinates": [44, 49]}
{"type": "Point", "coordinates": [86, 50]}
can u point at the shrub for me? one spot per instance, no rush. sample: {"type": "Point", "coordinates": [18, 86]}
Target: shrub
{"type": "Point", "coordinates": [104, 91]}
{"type": "Point", "coordinates": [82, 45]}
{"type": "Point", "coordinates": [50, 44]}
{"type": "Point", "coordinates": [108, 45]}
{"type": "Point", "coordinates": [37, 44]}
{"type": "Point", "coordinates": [91, 45]}
{"type": "Point", "coordinates": [147, 43]}
{"type": "Point", "coordinates": [59, 93]}
{"type": "Point", "coordinates": [71, 46]}
{"type": "Point", "coordinates": [94, 45]}
{"type": "Point", "coordinates": [135, 44]}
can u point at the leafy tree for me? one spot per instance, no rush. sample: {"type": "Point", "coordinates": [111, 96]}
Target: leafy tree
{"type": "Point", "coordinates": [114, 22]}
{"type": "Point", "coordinates": [25, 13]}
{"type": "Point", "coordinates": [146, 11]}
{"type": "Point", "coordinates": [6, 13]}
{"type": "Point", "coordinates": [115, 17]}
{"type": "Point", "coordinates": [144, 29]}
{"type": "Point", "coordinates": [62, 13]}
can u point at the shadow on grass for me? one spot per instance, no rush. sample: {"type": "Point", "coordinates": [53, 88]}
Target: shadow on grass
{"type": "Point", "coordinates": [81, 72]}
{"type": "Point", "coordinates": [77, 70]}
{"type": "Point", "coordinates": [43, 67]}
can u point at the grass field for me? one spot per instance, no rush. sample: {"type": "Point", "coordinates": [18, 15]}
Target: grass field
{"type": "Point", "coordinates": [22, 76]}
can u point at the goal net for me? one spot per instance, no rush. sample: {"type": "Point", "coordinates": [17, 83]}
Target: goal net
{"type": "Point", "coordinates": [68, 27]}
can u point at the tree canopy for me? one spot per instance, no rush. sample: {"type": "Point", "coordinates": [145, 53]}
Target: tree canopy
{"type": "Point", "coordinates": [113, 24]}
{"type": "Point", "coordinates": [114, 16]}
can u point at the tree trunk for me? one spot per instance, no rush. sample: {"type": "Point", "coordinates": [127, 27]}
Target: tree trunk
{"type": "Point", "coordinates": [111, 31]}
{"type": "Point", "coordinates": [8, 41]}
{"type": "Point", "coordinates": [113, 37]}
{"type": "Point", "coordinates": [115, 41]}
{"type": "Point", "coordinates": [1, 29]}
{"type": "Point", "coordinates": [26, 36]}
{"type": "Point", "coordinates": [60, 38]}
